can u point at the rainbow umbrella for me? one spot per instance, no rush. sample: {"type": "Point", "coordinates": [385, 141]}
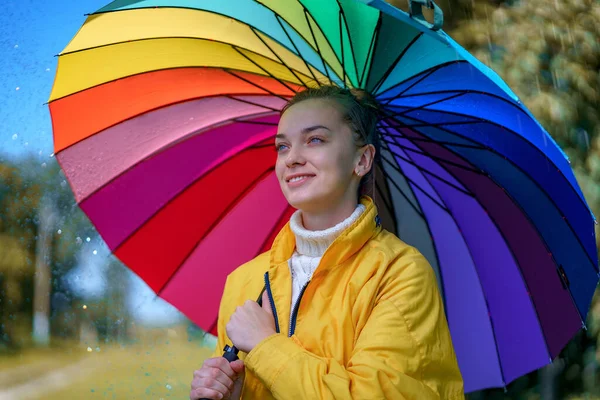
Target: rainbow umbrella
{"type": "Point", "coordinates": [164, 115]}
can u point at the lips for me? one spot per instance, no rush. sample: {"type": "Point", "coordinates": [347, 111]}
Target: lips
{"type": "Point", "coordinates": [298, 178]}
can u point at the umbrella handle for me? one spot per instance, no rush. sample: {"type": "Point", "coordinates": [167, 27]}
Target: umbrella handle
{"type": "Point", "coordinates": [416, 13]}
{"type": "Point", "coordinates": [230, 353]}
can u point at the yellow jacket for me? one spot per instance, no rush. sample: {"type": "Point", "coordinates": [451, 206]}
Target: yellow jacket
{"type": "Point", "coordinates": [370, 324]}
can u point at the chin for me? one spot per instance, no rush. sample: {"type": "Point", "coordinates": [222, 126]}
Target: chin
{"type": "Point", "coordinates": [305, 201]}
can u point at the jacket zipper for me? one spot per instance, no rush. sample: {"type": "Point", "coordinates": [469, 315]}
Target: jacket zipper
{"type": "Point", "coordinates": [270, 295]}
{"type": "Point", "coordinates": [295, 311]}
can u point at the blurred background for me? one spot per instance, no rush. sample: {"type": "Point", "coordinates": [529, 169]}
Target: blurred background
{"type": "Point", "coordinates": [75, 323]}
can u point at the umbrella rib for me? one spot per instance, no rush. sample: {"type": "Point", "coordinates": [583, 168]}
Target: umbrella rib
{"type": "Point", "coordinates": [229, 207]}
{"type": "Point", "coordinates": [415, 208]}
{"type": "Point", "coordinates": [231, 72]}
{"type": "Point", "coordinates": [278, 18]}
{"type": "Point", "coordinates": [516, 203]}
{"type": "Point", "coordinates": [342, 46]}
{"type": "Point", "coordinates": [306, 14]}
{"type": "Point", "coordinates": [595, 267]}
{"type": "Point", "coordinates": [443, 207]}
{"type": "Point", "coordinates": [262, 68]}
{"type": "Point", "coordinates": [426, 171]}
{"type": "Point", "coordinates": [514, 257]}
{"type": "Point", "coordinates": [277, 55]}
{"type": "Point", "coordinates": [352, 52]}
{"type": "Point", "coordinates": [424, 74]}
{"type": "Point", "coordinates": [423, 106]}
{"type": "Point", "coordinates": [166, 203]}
{"type": "Point", "coordinates": [372, 46]}
{"type": "Point", "coordinates": [404, 147]}
{"type": "Point", "coordinates": [232, 97]}
{"type": "Point", "coordinates": [254, 122]}
{"type": "Point", "coordinates": [393, 65]}
{"type": "Point", "coordinates": [428, 140]}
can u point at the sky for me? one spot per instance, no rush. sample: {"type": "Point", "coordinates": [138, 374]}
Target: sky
{"type": "Point", "coordinates": [32, 33]}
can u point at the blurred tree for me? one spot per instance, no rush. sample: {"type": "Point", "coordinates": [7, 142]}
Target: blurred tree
{"type": "Point", "coordinates": [23, 183]}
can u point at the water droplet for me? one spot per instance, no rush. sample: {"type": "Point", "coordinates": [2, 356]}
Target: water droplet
{"type": "Point", "coordinates": [47, 69]}
{"type": "Point", "coordinates": [43, 165]}
{"type": "Point", "coordinates": [84, 307]}
{"type": "Point", "coordinates": [51, 155]}
{"type": "Point", "coordinates": [17, 88]}
{"type": "Point", "coordinates": [87, 239]}
{"type": "Point", "coordinates": [89, 349]}
{"type": "Point", "coordinates": [16, 46]}
{"type": "Point", "coordinates": [97, 348]}
{"type": "Point", "coordinates": [95, 252]}
{"type": "Point", "coordinates": [59, 232]}
{"type": "Point", "coordinates": [15, 136]}
{"type": "Point", "coordinates": [169, 387]}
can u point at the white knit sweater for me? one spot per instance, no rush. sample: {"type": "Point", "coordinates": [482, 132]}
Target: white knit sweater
{"type": "Point", "coordinates": [310, 247]}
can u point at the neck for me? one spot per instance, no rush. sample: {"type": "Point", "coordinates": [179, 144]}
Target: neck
{"type": "Point", "coordinates": [318, 220]}
{"type": "Point", "coordinates": [313, 243]}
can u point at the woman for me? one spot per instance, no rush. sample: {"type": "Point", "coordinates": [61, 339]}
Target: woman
{"type": "Point", "coordinates": [349, 311]}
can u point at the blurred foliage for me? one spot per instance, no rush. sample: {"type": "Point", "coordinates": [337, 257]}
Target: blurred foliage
{"type": "Point", "coordinates": [23, 185]}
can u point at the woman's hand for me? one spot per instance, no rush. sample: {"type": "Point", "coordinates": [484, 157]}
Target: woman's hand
{"type": "Point", "coordinates": [250, 324]}
{"type": "Point", "coordinates": [218, 379]}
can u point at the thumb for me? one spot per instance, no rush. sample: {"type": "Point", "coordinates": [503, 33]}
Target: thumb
{"type": "Point", "coordinates": [266, 304]}
{"type": "Point", "coordinates": [237, 366]}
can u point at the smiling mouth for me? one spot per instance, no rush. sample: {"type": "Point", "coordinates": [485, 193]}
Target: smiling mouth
{"type": "Point", "coordinates": [299, 178]}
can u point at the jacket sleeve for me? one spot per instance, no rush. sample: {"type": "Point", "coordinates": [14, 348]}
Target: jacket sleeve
{"type": "Point", "coordinates": [221, 335]}
{"type": "Point", "coordinates": [404, 350]}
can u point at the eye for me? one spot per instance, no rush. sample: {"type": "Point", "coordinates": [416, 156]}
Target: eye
{"type": "Point", "coordinates": [280, 147]}
{"type": "Point", "coordinates": [315, 139]}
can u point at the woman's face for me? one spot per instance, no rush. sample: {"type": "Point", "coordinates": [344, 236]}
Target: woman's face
{"type": "Point", "coordinates": [316, 156]}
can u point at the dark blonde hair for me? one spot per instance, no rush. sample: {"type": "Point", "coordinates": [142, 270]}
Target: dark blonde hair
{"type": "Point", "coordinates": [360, 110]}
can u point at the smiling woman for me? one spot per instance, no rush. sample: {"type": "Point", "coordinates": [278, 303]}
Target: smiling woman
{"type": "Point", "coordinates": [347, 310]}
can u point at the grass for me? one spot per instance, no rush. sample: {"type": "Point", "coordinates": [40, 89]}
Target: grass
{"type": "Point", "coordinates": [159, 366]}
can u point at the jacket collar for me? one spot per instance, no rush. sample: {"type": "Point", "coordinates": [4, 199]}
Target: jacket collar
{"type": "Point", "coordinates": [345, 246]}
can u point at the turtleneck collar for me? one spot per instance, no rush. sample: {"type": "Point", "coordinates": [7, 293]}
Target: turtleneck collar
{"type": "Point", "coordinates": [314, 243]}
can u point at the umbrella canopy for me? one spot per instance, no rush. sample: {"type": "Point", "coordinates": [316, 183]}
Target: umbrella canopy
{"type": "Point", "coordinates": [164, 116]}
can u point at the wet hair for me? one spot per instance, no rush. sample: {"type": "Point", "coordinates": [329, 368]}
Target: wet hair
{"type": "Point", "coordinates": [360, 110]}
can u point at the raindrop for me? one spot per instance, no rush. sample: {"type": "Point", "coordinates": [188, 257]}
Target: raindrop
{"type": "Point", "coordinates": [16, 46]}
{"type": "Point", "coordinates": [95, 252]}
{"type": "Point", "coordinates": [15, 136]}
{"type": "Point", "coordinates": [169, 387]}
{"type": "Point", "coordinates": [47, 69]}
{"type": "Point", "coordinates": [59, 232]}
{"type": "Point", "coordinates": [89, 349]}
{"type": "Point", "coordinates": [88, 239]}
{"type": "Point", "coordinates": [84, 307]}
{"type": "Point", "coordinates": [43, 165]}
{"type": "Point", "coordinates": [51, 154]}
{"type": "Point", "coordinates": [17, 88]}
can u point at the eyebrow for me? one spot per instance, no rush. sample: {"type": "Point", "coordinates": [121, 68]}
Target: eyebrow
{"type": "Point", "coordinates": [305, 131]}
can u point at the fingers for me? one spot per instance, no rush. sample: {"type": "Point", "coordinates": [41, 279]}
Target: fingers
{"type": "Point", "coordinates": [215, 380]}
{"type": "Point", "coordinates": [220, 363]}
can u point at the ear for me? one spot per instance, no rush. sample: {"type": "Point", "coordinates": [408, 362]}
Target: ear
{"type": "Point", "coordinates": [365, 161]}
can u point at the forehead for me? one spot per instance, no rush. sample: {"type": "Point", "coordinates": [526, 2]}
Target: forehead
{"type": "Point", "coordinates": [309, 113]}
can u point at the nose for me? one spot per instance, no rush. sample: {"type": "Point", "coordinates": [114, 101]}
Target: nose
{"type": "Point", "coordinates": [294, 157]}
